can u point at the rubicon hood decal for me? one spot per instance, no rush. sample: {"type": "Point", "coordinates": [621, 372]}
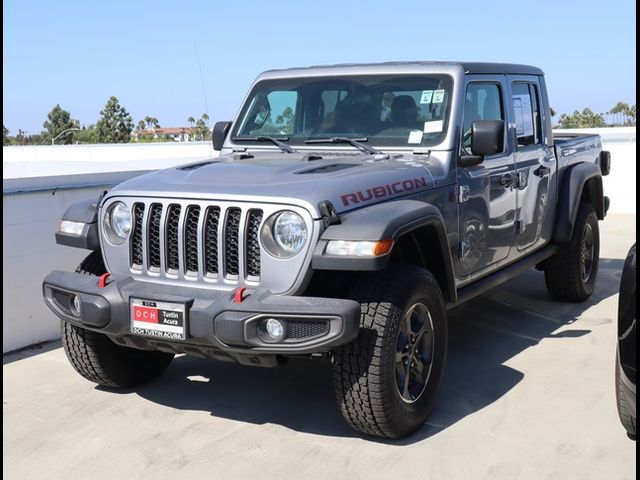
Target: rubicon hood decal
{"type": "Point", "coordinates": [382, 191]}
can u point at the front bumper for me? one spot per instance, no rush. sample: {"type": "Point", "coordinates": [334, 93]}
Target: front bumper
{"type": "Point", "coordinates": [216, 325]}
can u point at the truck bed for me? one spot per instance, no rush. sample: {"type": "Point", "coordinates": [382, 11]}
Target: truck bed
{"type": "Point", "coordinates": [576, 147]}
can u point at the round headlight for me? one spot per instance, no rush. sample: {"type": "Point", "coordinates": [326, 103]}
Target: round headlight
{"type": "Point", "coordinates": [118, 221]}
{"type": "Point", "coordinates": [290, 232]}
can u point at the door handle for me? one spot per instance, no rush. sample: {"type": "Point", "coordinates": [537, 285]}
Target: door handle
{"type": "Point", "coordinates": [541, 171]}
{"type": "Point", "coordinates": [508, 180]}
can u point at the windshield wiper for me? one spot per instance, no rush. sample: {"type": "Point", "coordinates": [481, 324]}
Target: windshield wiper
{"type": "Point", "coordinates": [278, 142]}
{"type": "Point", "coordinates": [352, 141]}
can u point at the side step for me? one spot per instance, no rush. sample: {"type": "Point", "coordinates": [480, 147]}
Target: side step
{"type": "Point", "coordinates": [493, 280]}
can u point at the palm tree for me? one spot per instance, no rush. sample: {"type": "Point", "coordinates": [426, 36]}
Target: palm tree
{"type": "Point", "coordinates": [140, 125]}
{"type": "Point", "coordinates": [191, 121]}
{"type": "Point", "coordinates": [204, 129]}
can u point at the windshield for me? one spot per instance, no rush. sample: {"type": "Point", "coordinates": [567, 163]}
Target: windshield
{"type": "Point", "coordinates": [385, 110]}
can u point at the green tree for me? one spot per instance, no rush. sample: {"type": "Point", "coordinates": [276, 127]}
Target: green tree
{"type": "Point", "coordinates": [201, 130]}
{"type": "Point", "coordinates": [152, 122]}
{"type": "Point", "coordinates": [115, 124]}
{"type": "Point", "coordinates": [59, 120]}
{"type": "Point", "coordinates": [284, 121]}
{"type": "Point", "coordinates": [191, 121]}
{"type": "Point", "coordinates": [140, 126]}
{"type": "Point", "coordinates": [5, 135]}
{"type": "Point", "coordinates": [87, 134]}
{"type": "Point", "coordinates": [628, 112]}
{"type": "Point", "coordinates": [584, 119]}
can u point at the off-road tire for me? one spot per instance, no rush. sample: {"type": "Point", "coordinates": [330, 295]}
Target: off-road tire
{"type": "Point", "coordinates": [563, 271]}
{"type": "Point", "coordinates": [365, 369]}
{"type": "Point", "coordinates": [100, 360]}
{"type": "Point", "coordinates": [628, 421]}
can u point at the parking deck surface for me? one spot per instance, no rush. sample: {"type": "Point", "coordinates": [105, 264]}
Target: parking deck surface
{"type": "Point", "coordinates": [529, 393]}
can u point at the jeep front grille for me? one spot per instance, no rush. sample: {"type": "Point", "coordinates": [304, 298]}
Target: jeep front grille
{"type": "Point", "coordinates": [196, 241]}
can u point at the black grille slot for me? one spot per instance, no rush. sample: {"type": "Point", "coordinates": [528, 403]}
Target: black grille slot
{"type": "Point", "coordinates": [191, 239]}
{"type": "Point", "coordinates": [231, 246]}
{"type": "Point", "coordinates": [300, 330]}
{"type": "Point", "coordinates": [172, 238]}
{"type": "Point", "coordinates": [254, 220]}
{"type": "Point", "coordinates": [62, 300]}
{"type": "Point", "coordinates": [136, 235]}
{"type": "Point", "coordinates": [211, 240]}
{"type": "Point", "coordinates": [153, 236]}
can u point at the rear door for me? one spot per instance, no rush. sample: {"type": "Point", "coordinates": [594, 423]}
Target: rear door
{"type": "Point", "coordinates": [534, 164]}
{"type": "Point", "coordinates": [487, 196]}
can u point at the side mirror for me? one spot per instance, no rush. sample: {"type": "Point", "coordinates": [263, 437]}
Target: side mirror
{"type": "Point", "coordinates": [487, 138]}
{"type": "Point", "coordinates": [220, 130]}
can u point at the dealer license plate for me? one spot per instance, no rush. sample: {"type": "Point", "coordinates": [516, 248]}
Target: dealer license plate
{"type": "Point", "coordinates": [158, 319]}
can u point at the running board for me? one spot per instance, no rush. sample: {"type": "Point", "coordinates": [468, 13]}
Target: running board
{"type": "Point", "coordinates": [506, 273]}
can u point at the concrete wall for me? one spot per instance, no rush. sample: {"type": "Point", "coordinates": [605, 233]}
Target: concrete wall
{"type": "Point", "coordinates": [29, 252]}
{"type": "Point", "coordinates": [40, 182]}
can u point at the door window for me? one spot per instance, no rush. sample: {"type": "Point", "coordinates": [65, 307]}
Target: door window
{"type": "Point", "coordinates": [482, 102]}
{"type": "Point", "coordinates": [526, 108]}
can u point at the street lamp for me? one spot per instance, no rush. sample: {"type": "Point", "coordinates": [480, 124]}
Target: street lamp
{"type": "Point", "coordinates": [53, 140]}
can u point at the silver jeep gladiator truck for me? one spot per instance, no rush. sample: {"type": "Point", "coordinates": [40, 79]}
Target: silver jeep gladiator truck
{"type": "Point", "coordinates": [349, 208]}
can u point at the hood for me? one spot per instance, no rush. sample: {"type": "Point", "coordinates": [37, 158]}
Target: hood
{"type": "Point", "coordinates": [347, 180]}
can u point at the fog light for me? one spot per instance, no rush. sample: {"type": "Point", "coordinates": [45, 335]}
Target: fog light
{"type": "Point", "coordinates": [75, 308]}
{"type": "Point", "coordinates": [274, 328]}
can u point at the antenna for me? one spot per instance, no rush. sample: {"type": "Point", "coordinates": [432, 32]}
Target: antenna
{"type": "Point", "coordinates": [204, 92]}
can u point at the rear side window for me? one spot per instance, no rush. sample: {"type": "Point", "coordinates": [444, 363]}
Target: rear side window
{"type": "Point", "coordinates": [526, 108]}
{"type": "Point", "coordinates": [482, 102]}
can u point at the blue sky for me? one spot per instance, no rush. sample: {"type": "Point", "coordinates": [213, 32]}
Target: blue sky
{"type": "Point", "coordinates": [78, 53]}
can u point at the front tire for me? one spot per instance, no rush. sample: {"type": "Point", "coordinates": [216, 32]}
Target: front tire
{"type": "Point", "coordinates": [98, 359]}
{"type": "Point", "coordinates": [570, 274]}
{"type": "Point", "coordinates": [387, 379]}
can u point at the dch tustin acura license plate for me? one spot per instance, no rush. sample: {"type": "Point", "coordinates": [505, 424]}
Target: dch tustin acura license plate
{"type": "Point", "coordinates": [158, 319]}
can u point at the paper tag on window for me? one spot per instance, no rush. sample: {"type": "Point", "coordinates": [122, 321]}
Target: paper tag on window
{"type": "Point", "coordinates": [438, 96]}
{"type": "Point", "coordinates": [426, 96]}
{"type": "Point", "coordinates": [433, 127]}
{"type": "Point", "coordinates": [415, 136]}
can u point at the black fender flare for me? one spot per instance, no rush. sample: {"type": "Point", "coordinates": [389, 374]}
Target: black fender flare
{"type": "Point", "coordinates": [574, 181]}
{"type": "Point", "coordinates": [83, 211]}
{"type": "Point", "coordinates": [383, 221]}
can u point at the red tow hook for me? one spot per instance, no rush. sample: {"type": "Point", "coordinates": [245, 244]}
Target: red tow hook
{"type": "Point", "coordinates": [239, 294]}
{"type": "Point", "coordinates": [102, 280]}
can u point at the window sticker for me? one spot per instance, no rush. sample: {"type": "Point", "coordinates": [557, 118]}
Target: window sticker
{"type": "Point", "coordinates": [524, 115]}
{"type": "Point", "coordinates": [438, 96]}
{"type": "Point", "coordinates": [415, 136]}
{"type": "Point", "coordinates": [433, 127]}
{"type": "Point", "coordinates": [426, 96]}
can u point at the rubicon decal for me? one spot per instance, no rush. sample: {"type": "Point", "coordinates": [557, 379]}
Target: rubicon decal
{"type": "Point", "coordinates": [382, 191]}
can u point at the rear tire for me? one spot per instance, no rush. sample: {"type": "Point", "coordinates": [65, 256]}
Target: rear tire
{"type": "Point", "coordinates": [624, 412]}
{"type": "Point", "coordinates": [98, 359]}
{"type": "Point", "coordinates": [403, 329]}
{"type": "Point", "coordinates": [570, 274]}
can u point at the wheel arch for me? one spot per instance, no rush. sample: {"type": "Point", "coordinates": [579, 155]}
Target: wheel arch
{"type": "Point", "coordinates": [418, 233]}
{"type": "Point", "coordinates": [581, 182]}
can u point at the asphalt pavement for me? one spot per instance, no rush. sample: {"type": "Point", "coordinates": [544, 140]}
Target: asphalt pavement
{"type": "Point", "coordinates": [528, 394]}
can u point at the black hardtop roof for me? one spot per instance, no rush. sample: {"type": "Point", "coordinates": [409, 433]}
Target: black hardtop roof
{"type": "Point", "coordinates": [469, 67]}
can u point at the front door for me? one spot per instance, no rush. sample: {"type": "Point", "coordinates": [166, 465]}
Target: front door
{"type": "Point", "coordinates": [533, 163]}
{"type": "Point", "coordinates": [487, 192]}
